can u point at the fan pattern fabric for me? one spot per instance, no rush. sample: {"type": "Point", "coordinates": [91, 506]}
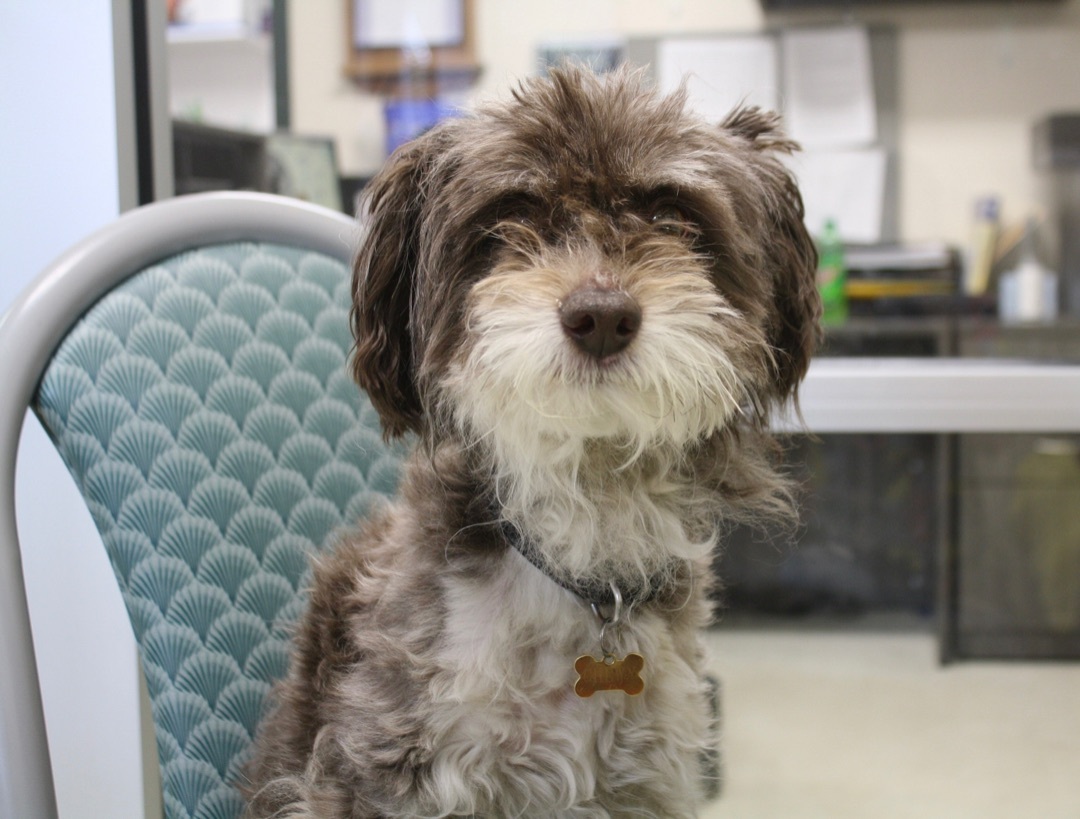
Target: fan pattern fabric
{"type": "Point", "coordinates": [205, 410]}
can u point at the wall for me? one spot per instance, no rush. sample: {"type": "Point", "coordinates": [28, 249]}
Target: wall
{"type": "Point", "coordinates": [973, 79]}
{"type": "Point", "coordinates": [321, 100]}
{"type": "Point", "coordinates": [970, 95]}
{"type": "Point", "coordinates": [59, 181]}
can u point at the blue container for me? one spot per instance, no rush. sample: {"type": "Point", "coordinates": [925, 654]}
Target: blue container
{"type": "Point", "coordinates": [407, 119]}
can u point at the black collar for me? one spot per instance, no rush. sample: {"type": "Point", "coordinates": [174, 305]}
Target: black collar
{"type": "Point", "coordinates": [595, 592]}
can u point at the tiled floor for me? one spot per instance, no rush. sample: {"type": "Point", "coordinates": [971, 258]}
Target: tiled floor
{"type": "Point", "coordinates": [823, 725]}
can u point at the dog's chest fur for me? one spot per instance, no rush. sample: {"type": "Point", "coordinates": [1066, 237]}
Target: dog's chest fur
{"type": "Point", "coordinates": [505, 719]}
{"type": "Point", "coordinates": [514, 724]}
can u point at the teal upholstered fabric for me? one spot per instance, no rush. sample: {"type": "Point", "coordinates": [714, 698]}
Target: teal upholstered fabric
{"type": "Point", "coordinates": [206, 411]}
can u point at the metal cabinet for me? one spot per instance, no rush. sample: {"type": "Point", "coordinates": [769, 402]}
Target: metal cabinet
{"type": "Point", "coordinates": [1017, 558]}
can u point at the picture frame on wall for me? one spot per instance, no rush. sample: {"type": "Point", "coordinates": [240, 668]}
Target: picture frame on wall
{"type": "Point", "coordinates": [411, 48]}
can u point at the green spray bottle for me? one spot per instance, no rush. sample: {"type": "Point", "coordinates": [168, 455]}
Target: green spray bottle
{"type": "Point", "coordinates": [832, 275]}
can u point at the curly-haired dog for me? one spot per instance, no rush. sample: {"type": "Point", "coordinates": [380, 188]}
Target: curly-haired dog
{"type": "Point", "coordinates": [585, 303]}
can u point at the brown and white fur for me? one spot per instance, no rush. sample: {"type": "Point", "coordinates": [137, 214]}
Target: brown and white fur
{"type": "Point", "coordinates": [433, 672]}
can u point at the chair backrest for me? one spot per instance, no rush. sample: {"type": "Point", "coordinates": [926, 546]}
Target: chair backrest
{"type": "Point", "coordinates": [204, 407]}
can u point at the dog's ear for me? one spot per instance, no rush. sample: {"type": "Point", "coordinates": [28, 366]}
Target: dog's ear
{"type": "Point", "coordinates": [789, 250]}
{"type": "Point", "coordinates": [383, 286]}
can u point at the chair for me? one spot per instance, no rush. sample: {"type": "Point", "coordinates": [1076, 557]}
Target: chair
{"type": "Point", "coordinates": [189, 363]}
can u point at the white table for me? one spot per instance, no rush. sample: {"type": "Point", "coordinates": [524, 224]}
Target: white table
{"type": "Point", "coordinates": [937, 395]}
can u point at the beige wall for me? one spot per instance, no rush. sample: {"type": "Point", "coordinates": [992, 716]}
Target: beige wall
{"type": "Point", "coordinates": [969, 98]}
{"type": "Point", "coordinates": [973, 79]}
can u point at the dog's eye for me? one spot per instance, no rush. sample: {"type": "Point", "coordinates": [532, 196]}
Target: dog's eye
{"type": "Point", "coordinates": [671, 219]}
{"type": "Point", "coordinates": [517, 210]}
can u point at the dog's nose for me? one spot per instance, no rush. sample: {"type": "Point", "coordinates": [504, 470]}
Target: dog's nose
{"type": "Point", "coordinates": [600, 321]}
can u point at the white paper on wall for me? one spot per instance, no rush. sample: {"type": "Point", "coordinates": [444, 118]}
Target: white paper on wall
{"type": "Point", "coordinates": [828, 88]}
{"type": "Point", "coordinates": [721, 72]}
{"type": "Point", "coordinates": [846, 185]}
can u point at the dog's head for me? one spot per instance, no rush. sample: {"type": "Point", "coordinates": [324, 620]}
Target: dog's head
{"type": "Point", "coordinates": [588, 260]}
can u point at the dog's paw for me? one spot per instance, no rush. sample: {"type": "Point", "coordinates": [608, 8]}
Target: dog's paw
{"type": "Point", "coordinates": [609, 674]}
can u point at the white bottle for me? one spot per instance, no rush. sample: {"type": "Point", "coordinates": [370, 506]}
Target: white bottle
{"type": "Point", "coordinates": [1028, 293]}
{"type": "Point", "coordinates": [1029, 290]}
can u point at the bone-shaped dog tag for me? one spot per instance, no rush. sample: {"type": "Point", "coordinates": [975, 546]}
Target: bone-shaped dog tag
{"type": "Point", "coordinates": [609, 674]}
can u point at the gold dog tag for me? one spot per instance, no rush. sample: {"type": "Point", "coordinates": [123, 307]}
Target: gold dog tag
{"type": "Point", "coordinates": [609, 674]}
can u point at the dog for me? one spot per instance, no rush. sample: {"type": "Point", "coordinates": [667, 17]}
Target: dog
{"type": "Point", "coordinates": [585, 303]}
